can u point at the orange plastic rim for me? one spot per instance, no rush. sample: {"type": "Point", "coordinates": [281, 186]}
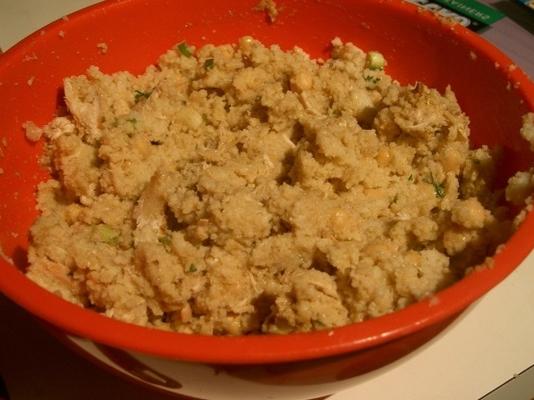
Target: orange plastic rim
{"type": "Point", "coordinates": [418, 46]}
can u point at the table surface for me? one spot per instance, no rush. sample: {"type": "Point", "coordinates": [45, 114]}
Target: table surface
{"type": "Point", "coordinates": [489, 344]}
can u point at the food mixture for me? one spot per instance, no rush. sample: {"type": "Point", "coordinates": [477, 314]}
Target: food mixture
{"type": "Point", "coordinates": [243, 189]}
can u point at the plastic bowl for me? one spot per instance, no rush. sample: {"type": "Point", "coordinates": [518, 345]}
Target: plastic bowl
{"type": "Point", "coordinates": [418, 47]}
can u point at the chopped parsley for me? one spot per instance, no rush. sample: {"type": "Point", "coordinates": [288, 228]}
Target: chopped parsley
{"type": "Point", "coordinates": [372, 79]}
{"type": "Point", "coordinates": [132, 120]}
{"type": "Point", "coordinates": [165, 240]}
{"type": "Point", "coordinates": [192, 268]}
{"type": "Point", "coordinates": [209, 63]}
{"type": "Point", "coordinates": [142, 95]}
{"type": "Point", "coordinates": [184, 49]}
{"type": "Point", "coordinates": [439, 188]}
{"type": "Point", "coordinates": [107, 234]}
{"type": "Point", "coordinates": [410, 178]}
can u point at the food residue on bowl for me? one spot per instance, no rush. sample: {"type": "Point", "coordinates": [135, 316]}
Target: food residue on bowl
{"type": "Point", "coordinates": [243, 189]}
{"type": "Point", "coordinates": [270, 8]}
{"type": "Point", "coordinates": [33, 132]}
{"type": "Point", "coordinates": [102, 47]}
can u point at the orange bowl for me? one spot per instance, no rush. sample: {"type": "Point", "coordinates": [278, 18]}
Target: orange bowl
{"type": "Point", "coordinates": [418, 47]}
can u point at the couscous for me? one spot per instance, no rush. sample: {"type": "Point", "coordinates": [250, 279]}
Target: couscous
{"type": "Point", "coordinates": [243, 189]}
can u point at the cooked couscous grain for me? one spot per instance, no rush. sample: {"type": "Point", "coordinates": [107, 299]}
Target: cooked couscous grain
{"type": "Point", "coordinates": [240, 189]}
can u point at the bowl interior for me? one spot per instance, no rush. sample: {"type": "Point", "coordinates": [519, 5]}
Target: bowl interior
{"type": "Point", "coordinates": [418, 47]}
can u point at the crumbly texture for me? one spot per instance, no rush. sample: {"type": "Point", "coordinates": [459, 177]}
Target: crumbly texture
{"type": "Point", "coordinates": [242, 189]}
{"type": "Point", "coordinates": [521, 186]}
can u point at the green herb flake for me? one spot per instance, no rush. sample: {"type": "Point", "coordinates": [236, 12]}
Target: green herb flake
{"type": "Point", "coordinates": [372, 79]}
{"type": "Point", "coordinates": [107, 234]}
{"type": "Point", "coordinates": [156, 142]}
{"type": "Point", "coordinates": [209, 63]}
{"type": "Point", "coordinates": [192, 268]}
{"type": "Point", "coordinates": [410, 178]}
{"type": "Point", "coordinates": [165, 240]}
{"type": "Point", "coordinates": [439, 188]}
{"type": "Point", "coordinates": [142, 95]}
{"type": "Point", "coordinates": [184, 49]}
{"type": "Point", "coordinates": [131, 120]}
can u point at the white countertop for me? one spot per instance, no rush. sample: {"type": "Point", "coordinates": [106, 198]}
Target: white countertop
{"type": "Point", "coordinates": [489, 344]}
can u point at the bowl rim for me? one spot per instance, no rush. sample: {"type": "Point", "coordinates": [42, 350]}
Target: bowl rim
{"type": "Point", "coordinates": [255, 349]}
